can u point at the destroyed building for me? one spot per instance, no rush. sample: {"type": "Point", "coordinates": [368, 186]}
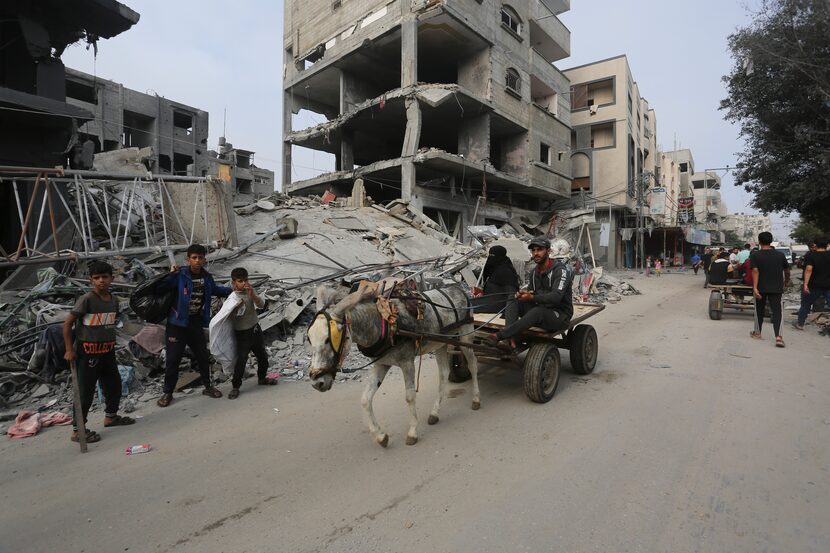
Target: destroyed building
{"type": "Point", "coordinates": [126, 118]}
{"type": "Point", "coordinates": [453, 106]}
{"type": "Point", "coordinates": [39, 124]}
{"type": "Point", "coordinates": [236, 167]}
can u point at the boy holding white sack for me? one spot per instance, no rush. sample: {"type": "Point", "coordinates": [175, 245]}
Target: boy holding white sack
{"type": "Point", "coordinates": [235, 332]}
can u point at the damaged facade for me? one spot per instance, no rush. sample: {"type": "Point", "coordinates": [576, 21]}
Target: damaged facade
{"type": "Point", "coordinates": [40, 127]}
{"type": "Point", "coordinates": [126, 118]}
{"type": "Point", "coordinates": [236, 167]}
{"type": "Point", "coordinates": [454, 106]}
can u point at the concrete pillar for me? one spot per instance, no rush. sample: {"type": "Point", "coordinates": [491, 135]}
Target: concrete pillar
{"type": "Point", "coordinates": [287, 108]}
{"type": "Point", "coordinates": [412, 134]}
{"type": "Point", "coordinates": [409, 51]}
{"type": "Point", "coordinates": [408, 180]}
{"type": "Point", "coordinates": [411, 139]}
{"type": "Point", "coordinates": [346, 157]}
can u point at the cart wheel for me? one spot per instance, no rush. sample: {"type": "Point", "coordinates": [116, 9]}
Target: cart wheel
{"type": "Point", "coordinates": [541, 372]}
{"type": "Point", "coordinates": [715, 305]}
{"type": "Point", "coordinates": [458, 368]}
{"type": "Point", "coordinates": [584, 347]}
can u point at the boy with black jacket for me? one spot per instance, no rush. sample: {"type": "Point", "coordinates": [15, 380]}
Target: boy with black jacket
{"type": "Point", "coordinates": [548, 301]}
{"type": "Point", "coordinates": [189, 316]}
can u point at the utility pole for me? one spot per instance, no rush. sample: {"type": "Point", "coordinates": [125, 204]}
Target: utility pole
{"type": "Point", "coordinates": [640, 182]}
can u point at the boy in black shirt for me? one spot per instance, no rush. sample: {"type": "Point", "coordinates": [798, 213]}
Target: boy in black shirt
{"type": "Point", "coordinates": [770, 275]}
{"type": "Point", "coordinates": [96, 314]}
{"type": "Point", "coordinates": [816, 280]}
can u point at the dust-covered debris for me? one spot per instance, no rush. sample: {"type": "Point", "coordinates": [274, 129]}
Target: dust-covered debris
{"type": "Point", "coordinates": [289, 245]}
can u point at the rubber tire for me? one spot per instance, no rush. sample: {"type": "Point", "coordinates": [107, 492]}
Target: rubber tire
{"type": "Point", "coordinates": [584, 347]}
{"type": "Point", "coordinates": [458, 368]}
{"type": "Point", "coordinates": [714, 298]}
{"type": "Point", "coordinates": [541, 358]}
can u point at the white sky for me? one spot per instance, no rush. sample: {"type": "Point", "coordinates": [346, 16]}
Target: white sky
{"type": "Point", "coordinates": [217, 55]}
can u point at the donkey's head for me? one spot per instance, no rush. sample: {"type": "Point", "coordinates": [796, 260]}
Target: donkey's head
{"type": "Point", "coordinates": [328, 335]}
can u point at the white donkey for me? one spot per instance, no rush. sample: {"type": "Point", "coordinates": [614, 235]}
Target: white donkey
{"type": "Point", "coordinates": [356, 318]}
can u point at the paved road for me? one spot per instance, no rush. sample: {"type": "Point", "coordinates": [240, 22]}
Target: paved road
{"type": "Point", "coordinates": [689, 437]}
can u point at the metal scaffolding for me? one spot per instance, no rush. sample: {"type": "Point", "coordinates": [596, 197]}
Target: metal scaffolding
{"type": "Point", "coordinates": [107, 214]}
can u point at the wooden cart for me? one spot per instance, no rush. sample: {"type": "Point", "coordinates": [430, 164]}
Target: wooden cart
{"type": "Point", "coordinates": [729, 296]}
{"type": "Point", "coordinates": [541, 365]}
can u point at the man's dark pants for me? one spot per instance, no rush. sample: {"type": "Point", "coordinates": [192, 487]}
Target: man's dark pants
{"type": "Point", "coordinates": [103, 369]}
{"type": "Point", "coordinates": [807, 301]}
{"type": "Point", "coordinates": [548, 318]}
{"type": "Point", "coordinates": [248, 341]}
{"type": "Point", "coordinates": [177, 338]}
{"type": "Point", "coordinates": [776, 312]}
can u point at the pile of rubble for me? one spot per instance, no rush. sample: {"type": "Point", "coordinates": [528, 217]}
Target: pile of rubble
{"type": "Point", "coordinates": [611, 289]}
{"type": "Point", "coordinates": [289, 245]}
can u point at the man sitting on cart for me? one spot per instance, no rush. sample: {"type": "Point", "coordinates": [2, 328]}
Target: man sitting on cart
{"type": "Point", "coordinates": [547, 303]}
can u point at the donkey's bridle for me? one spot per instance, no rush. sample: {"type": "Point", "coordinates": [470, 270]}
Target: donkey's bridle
{"type": "Point", "coordinates": [337, 337]}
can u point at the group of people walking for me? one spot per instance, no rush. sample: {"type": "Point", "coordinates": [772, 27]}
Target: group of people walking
{"type": "Point", "coordinates": [767, 271]}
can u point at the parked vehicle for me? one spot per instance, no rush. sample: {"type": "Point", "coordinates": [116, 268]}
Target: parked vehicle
{"type": "Point", "coordinates": [787, 251]}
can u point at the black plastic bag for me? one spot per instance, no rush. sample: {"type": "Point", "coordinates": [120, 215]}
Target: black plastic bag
{"type": "Point", "coordinates": [149, 304]}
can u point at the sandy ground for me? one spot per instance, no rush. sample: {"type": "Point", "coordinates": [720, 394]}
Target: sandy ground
{"type": "Point", "coordinates": [689, 437]}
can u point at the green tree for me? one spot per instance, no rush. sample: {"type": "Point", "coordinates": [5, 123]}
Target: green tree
{"type": "Point", "coordinates": [731, 238]}
{"type": "Point", "coordinates": [779, 94]}
{"type": "Point", "coordinates": [805, 231]}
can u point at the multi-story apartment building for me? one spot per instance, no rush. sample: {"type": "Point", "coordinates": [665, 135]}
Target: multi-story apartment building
{"type": "Point", "coordinates": [613, 150]}
{"type": "Point", "coordinates": [125, 118]}
{"type": "Point", "coordinates": [685, 163]}
{"type": "Point", "coordinates": [747, 227]}
{"type": "Point", "coordinates": [437, 102]}
{"type": "Point", "coordinates": [710, 210]}
{"type": "Point", "coordinates": [663, 205]}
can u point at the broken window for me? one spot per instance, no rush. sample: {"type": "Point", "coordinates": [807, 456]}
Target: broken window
{"type": "Point", "coordinates": [513, 80]}
{"type": "Point", "coordinates": [313, 57]}
{"type": "Point", "coordinates": [589, 94]}
{"type": "Point", "coordinates": [182, 164]}
{"type": "Point", "coordinates": [684, 167]}
{"type": "Point", "coordinates": [544, 153]}
{"type": "Point", "coordinates": [164, 163]}
{"type": "Point", "coordinates": [81, 91]}
{"type": "Point", "coordinates": [510, 19]}
{"type": "Point", "coordinates": [138, 131]}
{"type": "Point", "coordinates": [244, 186]}
{"type": "Point", "coordinates": [183, 121]}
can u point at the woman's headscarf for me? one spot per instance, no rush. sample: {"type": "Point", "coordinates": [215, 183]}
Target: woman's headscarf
{"type": "Point", "coordinates": [497, 257]}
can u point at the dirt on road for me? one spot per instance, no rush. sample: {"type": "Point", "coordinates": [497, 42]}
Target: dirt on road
{"type": "Point", "coordinates": [690, 436]}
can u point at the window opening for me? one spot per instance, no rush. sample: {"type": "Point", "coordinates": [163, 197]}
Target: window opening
{"type": "Point", "coordinates": [510, 19]}
{"type": "Point", "coordinates": [544, 153]}
{"type": "Point", "coordinates": [513, 80]}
